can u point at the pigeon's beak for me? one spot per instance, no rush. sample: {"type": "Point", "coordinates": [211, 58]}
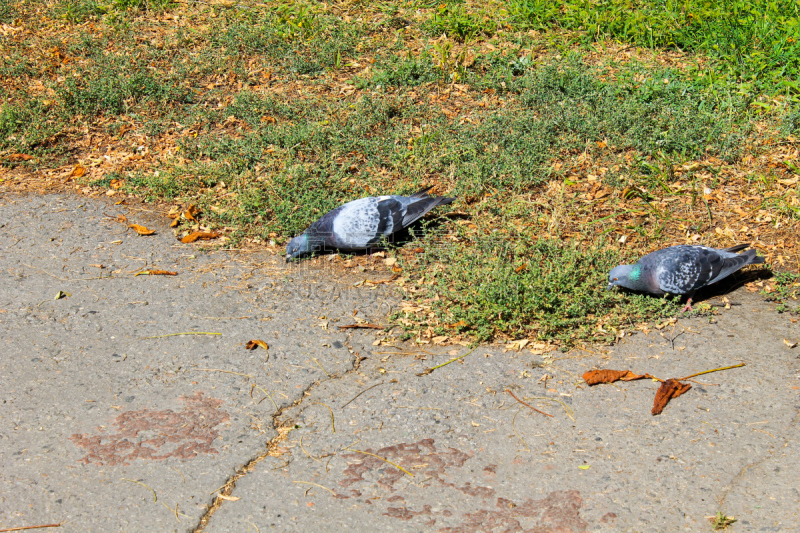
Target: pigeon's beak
{"type": "Point", "coordinates": [288, 257]}
{"type": "Point", "coordinates": [610, 286]}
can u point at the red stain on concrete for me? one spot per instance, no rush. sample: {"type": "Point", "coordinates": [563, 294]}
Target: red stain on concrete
{"type": "Point", "coordinates": [157, 435]}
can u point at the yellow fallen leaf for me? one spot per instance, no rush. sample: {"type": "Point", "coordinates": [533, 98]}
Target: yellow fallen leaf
{"type": "Point", "coordinates": [78, 171]}
{"type": "Point", "coordinates": [199, 235]}
{"type": "Point", "coordinates": [156, 273]}
{"type": "Point", "coordinates": [61, 294]}
{"type": "Point", "coordinates": [252, 345]}
{"type": "Point", "coordinates": [141, 230]}
{"type": "Point", "coordinates": [190, 212]}
{"type": "Point", "coordinates": [789, 344]}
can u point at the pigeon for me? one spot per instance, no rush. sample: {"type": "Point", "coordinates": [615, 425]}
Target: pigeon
{"type": "Point", "coordinates": [359, 224]}
{"type": "Point", "coordinates": [682, 269]}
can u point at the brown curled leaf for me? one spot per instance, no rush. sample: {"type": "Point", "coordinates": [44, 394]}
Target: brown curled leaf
{"type": "Point", "coordinates": [671, 388]}
{"type": "Point", "coordinates": [20, 157]}
{"type": "Point", "coordinates": [594, 377]}
{"type": "Point", "coordinates": [141, 230]}
{"type": "Point", "coordinates": [199, 235]}
{"type": "Point", "coordinates": [122, 219]}
{"type": "Point", "coordinates": [252, 345]}
{"type": "Point", "coordinates": [77, 172]}
{"type": "Point", "coordinates": [156, 273]}
{"type": "Point", "coordinates": [190, 212]}
{"type": "Point", "coordinates": [174, 222]}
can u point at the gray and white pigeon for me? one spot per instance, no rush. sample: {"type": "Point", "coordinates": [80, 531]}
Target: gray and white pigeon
{"type": "Point", "coordinates": [359, 224]}
{"type": "Point", "coordinates": [682, 269]}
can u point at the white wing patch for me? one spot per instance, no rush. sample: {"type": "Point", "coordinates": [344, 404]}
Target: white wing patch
{"type": "Point", "coordinates": [357, 223]}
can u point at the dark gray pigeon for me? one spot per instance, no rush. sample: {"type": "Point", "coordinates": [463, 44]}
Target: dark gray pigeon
{"type": "Point", "coordinates": [359, 224]}
{"type": "Point", "coordinates": [682, 269]}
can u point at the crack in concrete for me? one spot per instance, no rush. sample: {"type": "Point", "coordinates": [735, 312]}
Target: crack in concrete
{"type": "Point", "coordinates": [740, 475]}
{"type": "Point", "coordinates": [272, 444]}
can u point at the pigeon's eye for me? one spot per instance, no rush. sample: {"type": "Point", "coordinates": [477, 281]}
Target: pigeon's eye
{"type": "Point", "coordinates": [295, 249]}
{"type": "Point", "coordinates": [615, 279]}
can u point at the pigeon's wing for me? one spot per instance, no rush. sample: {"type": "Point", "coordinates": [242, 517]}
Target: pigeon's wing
{"type": "Point", "coordinates": [390, 215]}
{"type": "Point", "coordinates": [417, 208]}
{"type": "Point", "coordinates": [684, 269]}
{"type": "Point", "coordinates": [361, 223]}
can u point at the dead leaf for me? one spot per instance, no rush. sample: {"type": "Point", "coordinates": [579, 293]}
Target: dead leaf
{"type": "Point", "coordinates": [61, 294]}
{"type": "Point", "coordinates": [228, 498]}
{"type": "Point", "coordinates": [117, 183]}
{"type": "Point", "coordinates": [669, 389]}
{"type": "Point", "coordinates": [156, 273]}
{"type": "Point", "coordinates": [594, 377]}
{"type": "Point", "coordinates": [77, 172]}
{"type": "Point", "coordinates": [389, 261]}
{"type": "Point", "coordinates": [122, 219]}
{"type": "Point", "coordinates": [521, 268]}
{"type": "Point", "coordinates": [789, 344]}
{"type": "Point", "coordinates": [199, 235]}
{"type": "Point", "coordinates": [518, 345]}
{"type": "Point", "coordinates": [174, 222]}
{"type": "Point", "coordinates": [252, 345]}
{"type": "Point", "coordinates": [190, 212]}
{"type": "Point", "coordinates": [367, 326]}
{"type": "Point", "coordinates": [141, 230]}
{"type": "Point", "coordinates": [20, 157]}
{"type": "Point", "coordinates": [97, 266]}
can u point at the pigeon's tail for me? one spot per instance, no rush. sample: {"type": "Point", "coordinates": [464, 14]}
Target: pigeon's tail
{"type": "Point", "coordinates": [421, 194]}
{"type": "Point", "coordinates": [444, 200]}
{"type": "Point", "coordinates": [752, 258]}
{"type": "Point", "coordinates": [736, 248]}
{"type": "Point", "coordinates": [440, 200]}
{"type": "Point", "coordinates": [737, 262]}
{"type": "Point", "coordinates": [418, 208]}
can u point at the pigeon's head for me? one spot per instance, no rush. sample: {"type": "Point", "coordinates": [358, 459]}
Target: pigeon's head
{"type": "Point", "coordinates": [297, 247]}
{"type": "Point", "coordinates": [627, 276]}
{"type": "Point", "coordinates": [303, 244]}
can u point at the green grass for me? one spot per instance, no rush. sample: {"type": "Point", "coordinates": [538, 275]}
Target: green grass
{"type": "Point", "coordinates": [787, 292]}
{"type": "Point", "coordinates": [531, 287]}
{"type": "Point", "coordinates": [7, 13]}
{"type": "Point", "coordinates": [288, 153]}
{"type": "Point", "coordinates": [754, 42]}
